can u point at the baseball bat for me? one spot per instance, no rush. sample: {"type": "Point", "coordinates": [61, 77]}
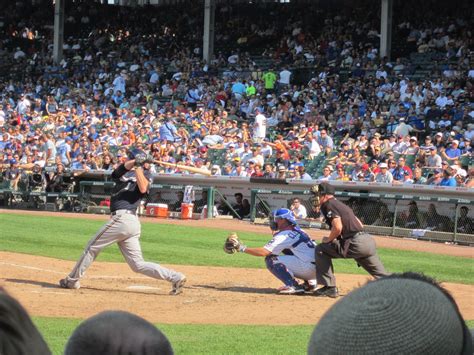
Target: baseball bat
{"type": "Point", "coordinates": [191, 169]}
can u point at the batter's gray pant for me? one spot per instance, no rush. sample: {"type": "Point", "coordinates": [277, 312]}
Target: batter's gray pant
{"type": "Point", "coordinates": [361, 247]}
{"type": "Point", "coordinates": [123, 229]}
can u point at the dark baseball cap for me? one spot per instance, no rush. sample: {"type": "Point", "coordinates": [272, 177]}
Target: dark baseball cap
{"type": "Point", "coordinates": [387, 316]}
{"type": "Point", "coordinates": [326, 189]}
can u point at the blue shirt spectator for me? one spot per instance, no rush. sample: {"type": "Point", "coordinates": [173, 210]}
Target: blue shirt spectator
{"type": "Point", "coordinates": [453, 151]}
{"type": "Point", "coordinates": [168, 131]}
{"type": "Point", "coordinates": [447, 180]}
{"type": "Point", "coordinates": [238, 88]}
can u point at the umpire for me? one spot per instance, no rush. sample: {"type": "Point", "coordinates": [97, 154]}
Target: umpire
{"type": "Point", "coordinates": [346, 240]}
{"type": "Point", "coordinates": [132, 183]}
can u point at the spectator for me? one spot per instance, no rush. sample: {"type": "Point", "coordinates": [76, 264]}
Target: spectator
{"type": "Point", "coordinates": [302, 173]}
{"type": "Point", "coordinates": [285, 76]}
{"type": "Point", "coordinates": [384, 218]}
{"type": "Point", "coordinates": [326, 176]}
{"type": "Point", "coordinates": [299, 211]}
{"type": "Point", "coordinates": [384, 176]}
{"type": "Point", "coordinates": [414, 219]}
{"type": "Point", "coordinates": [368, 325]}
{"type": "Point", "coordinates": [117, 332]}
{"type": "Point", "coordinates": [12, 175]}
{"type": "Point", "coordinates": [268, 172]}
{"type": "Point", "coordinates": [281, 174]}
{"type": "Point", "coordinates": [18, 334]}
{"type": "Point", "coordinates": [239, 207]}
{"type": "Point", "coordinates": [418, 178]}
{"type": "Point", "coordinates": [465, 223]}
{"type": "Point", "coordinates": [401, 171]}
{"type": "Point", "coordinates": [434, 160]}
{"type": "Point", "coordinates": [435, 221]}
{"type": "Point", "coordinates": [452, 152]}
{"type": "Point", "coordinates": [448, 179]}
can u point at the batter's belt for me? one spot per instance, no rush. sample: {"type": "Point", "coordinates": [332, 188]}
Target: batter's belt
{"type": "Point", "coordinates": [121, 212]}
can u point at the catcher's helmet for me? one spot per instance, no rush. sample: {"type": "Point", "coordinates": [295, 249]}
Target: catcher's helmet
{"type": "Point", "coordinates": [281, 213]}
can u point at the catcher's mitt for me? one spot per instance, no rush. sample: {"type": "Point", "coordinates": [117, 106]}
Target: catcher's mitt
{"type": "Point", "coordinates": [232, 244]}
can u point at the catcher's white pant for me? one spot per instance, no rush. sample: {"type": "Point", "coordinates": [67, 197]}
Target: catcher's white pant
{"type": "Point", "coordinates": [123, 229]}
{"type": "Point", "coordinates": [298, 268]}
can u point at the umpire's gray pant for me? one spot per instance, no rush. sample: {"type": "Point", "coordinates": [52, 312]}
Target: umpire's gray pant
{"type": "Point", "coordinates": [123, 229]}
{"type": "Point", "coordinates": [361, 247]}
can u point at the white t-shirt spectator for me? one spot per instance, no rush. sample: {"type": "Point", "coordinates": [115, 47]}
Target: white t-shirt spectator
{"type": "Point", "coordinates": [403, 129]}
{"type": "Point", "coordinates": [285, 77]}
{"type": "Point", "coordinates": [300, 211]}
{"type": "Point", "coordinates": [260, 127]}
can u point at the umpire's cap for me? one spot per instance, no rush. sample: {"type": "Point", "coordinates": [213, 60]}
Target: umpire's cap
{"type": "Point", "coordinates": [405, 313]}
{"type": "Point", "coordinates": [323, 189]}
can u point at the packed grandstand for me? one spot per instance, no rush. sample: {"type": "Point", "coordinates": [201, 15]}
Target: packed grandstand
{"type": "Point", "coordinates": [293, 91]}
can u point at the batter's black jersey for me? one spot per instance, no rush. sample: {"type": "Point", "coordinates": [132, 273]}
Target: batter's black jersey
{"type": "Point", "coordinates": [126, 194]}
{"type": "Point", "coordinates": [350, 223]}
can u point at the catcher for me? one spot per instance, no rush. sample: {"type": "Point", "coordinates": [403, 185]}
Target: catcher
{"type": "Point", "coordinates": [289, 255]}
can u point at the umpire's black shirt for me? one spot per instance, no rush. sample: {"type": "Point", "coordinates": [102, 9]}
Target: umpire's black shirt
{"type": "Point", "coordinates": [350, 224]}
{"type": "Point", "coordinates": [126, 194]}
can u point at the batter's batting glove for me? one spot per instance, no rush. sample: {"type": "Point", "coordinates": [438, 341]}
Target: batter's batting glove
{"type": "Point", "coordinates": [140, 159]}
{"type": "Point", "coordinates": [149, 159]}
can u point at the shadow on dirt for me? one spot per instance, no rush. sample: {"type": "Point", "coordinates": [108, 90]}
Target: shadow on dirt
{"type": "Point", "coordinates": [33, 282]}
{"type": "Point", "coordinates": [240, 289]}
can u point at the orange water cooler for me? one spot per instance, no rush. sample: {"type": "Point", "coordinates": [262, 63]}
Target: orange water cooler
{"type": "Point", "coordinates": [157, 210]}
{"type": "Point", "coordinates": [187, 210]}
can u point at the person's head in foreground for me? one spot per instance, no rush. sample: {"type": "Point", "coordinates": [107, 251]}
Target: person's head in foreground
{"type": "Point", "coordinates": [18, 334]}
{"type": "Point", "coordinates": [405, 313]}
{"type": "Point", "coordinates": [117, 333]}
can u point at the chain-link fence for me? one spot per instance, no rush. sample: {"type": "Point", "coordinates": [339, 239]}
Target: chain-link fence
{"type": "Point", "coordinates": [430, 218]}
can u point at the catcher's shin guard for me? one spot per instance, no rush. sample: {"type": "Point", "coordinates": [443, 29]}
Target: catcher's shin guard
{"type": "Point", "coordinates": [279, 270]}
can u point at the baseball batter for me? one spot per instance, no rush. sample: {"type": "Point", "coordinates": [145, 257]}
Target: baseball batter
{"type": "Point", "coordinates": [346, 240]}
{"type": "Point", "coordinates": [288, 256]}
{"type": "Point", "coordinates": [132, 182]}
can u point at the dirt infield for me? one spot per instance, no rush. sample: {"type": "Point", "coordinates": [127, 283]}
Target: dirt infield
{"type": "Point", "coordinates": [213, 295]}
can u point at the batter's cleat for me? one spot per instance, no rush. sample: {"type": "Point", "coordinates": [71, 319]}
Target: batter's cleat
{"type": "Point", "coordinates": [64, 283]}
{"type": "Point", "coordinates": [178, 287]}
{"type": "Point", "coordinates": [291, 290]}
{"type": "Point", "coordinates": [327, 291]}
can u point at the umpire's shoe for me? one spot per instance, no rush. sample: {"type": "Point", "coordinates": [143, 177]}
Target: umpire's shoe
{"type": "Point", "coordinates": [178, 286]}
{"type": "Point", "coordinates": [327, 291]}
{"type": "Point", "coordinates": [65, 283]}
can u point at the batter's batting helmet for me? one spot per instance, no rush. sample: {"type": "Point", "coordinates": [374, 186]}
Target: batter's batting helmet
{"type": "Point", "coordinates": [281, 213]}
{"type": "Point", "coordinates": [133, 152]}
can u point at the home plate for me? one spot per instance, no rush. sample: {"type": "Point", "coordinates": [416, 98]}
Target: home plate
{"type": "Point", "coordinates": [142, 287]}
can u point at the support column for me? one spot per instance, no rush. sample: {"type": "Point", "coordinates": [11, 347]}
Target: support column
{"type": "Point", "coordinates": [208, 36]}
{"type": "Point", "coordinates": [386, 28]}
{"type": "Point", "coordinates": [58, 31]}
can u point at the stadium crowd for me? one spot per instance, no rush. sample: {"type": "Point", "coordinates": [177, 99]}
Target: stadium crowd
{"type": "Point", "coordinates": [135, 78]}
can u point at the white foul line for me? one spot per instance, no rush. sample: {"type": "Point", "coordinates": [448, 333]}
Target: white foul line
{"type": "Point", "coordinates": [62, 273]}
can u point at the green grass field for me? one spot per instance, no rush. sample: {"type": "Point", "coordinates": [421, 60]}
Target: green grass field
{"type": "Point", "coordinates": [202, 339]}
{"type": "Point", "coordinates": [65, 238]}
